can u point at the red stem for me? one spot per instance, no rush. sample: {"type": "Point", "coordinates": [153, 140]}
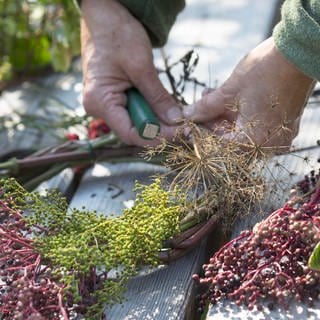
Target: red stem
{"type": "Point", "coordinates": [228, 244]}
{"type": "Point", "coordinates": [172, 254]}
{"type": "Point", "coordinates": [315, 198]}
{"type": "Point", "coordinates": [50, 307]}
{"type": "Point", "coordinates": [18, 240]}
{"type": "Point", "coordinates": [62, 309]}
{"type": "Point", "coordinates": [77, 155]}
{"type": "Point", "coordinates": [174, 242]}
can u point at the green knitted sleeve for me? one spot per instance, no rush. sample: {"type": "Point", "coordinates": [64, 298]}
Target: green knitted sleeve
{"type": "Point", "coordinates": [157, 16]}
{"type": "Point", "coordinates": [297, 35]}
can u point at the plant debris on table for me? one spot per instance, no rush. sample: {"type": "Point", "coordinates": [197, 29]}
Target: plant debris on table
{"type": "Point", "coordinates": [55, 262]}
{"type": "Point", "coordinates": [219, 176]}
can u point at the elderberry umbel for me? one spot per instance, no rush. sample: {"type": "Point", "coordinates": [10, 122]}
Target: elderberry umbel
{"type": "Point", "coordinates": [27, 288]}
{"type": "Point", "coordinates": [309, 181]}
{"type": "Point", "coordinates": [271, 261]}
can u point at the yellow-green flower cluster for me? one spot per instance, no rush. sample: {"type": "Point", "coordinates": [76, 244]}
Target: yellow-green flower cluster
{"type": "Point", "coordinates": [76, 243]}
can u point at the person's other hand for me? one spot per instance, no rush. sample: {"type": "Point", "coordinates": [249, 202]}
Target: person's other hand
{"type": "Point", "coordinates": [262, 101]}
{"type": "Point", "coordinates": [117, 55]}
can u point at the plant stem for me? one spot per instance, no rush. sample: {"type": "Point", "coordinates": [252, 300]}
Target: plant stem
{"type": "Point", "coordinates": [54, 170]}
{"type": "Point", "coordinates": [77, 155]}
{"type": "Point", "coordinates": [103, 141]}
{"type": "Point", "coordinates": [11, 164]}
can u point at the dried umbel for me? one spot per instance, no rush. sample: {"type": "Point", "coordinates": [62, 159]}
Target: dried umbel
{"type": "Point", "coordinates": [217, 175]}
{"type": "Point", "coordinates": [271, 261]}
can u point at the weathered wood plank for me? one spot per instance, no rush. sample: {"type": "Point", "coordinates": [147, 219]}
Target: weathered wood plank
{"type": "Point", "coordinates": [46, 100]}
{"type": "Point", "coordinates": [62, 182]}
{"type": "Point", "coordinates": [162, 293]}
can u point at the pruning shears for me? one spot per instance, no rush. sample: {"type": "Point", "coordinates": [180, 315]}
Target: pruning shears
{"type": "Point", "coordinates": [142, 116]}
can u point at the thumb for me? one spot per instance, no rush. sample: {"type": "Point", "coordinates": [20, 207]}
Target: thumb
{"type": "Point", "coordinates": [163, 104]}
{"type": "Point", "coordinates": [211, 106]}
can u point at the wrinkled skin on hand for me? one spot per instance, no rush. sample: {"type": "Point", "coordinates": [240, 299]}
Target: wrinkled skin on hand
{"type": "Point", "coordinates": [262, 101]}
{"type": "Point", "coordinates": [117, 55]}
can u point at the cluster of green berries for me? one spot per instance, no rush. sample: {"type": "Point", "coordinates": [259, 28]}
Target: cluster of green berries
{"type": "Point", "coordinates": [81, 247]}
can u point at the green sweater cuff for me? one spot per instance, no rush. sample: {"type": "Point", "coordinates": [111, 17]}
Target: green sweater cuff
{"type": "Point", "coordinates": [297, 35]}
{"type": "Point", "coordinates": [157, 16]}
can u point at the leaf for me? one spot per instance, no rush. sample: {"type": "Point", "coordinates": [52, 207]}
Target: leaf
{"type": "Point", "coordinates": [30, 54]}
{"type": "Point", "coordinates": [47, 33]}
{"type": "Point", "coordinates": [61, 57]}
{"type": "Point", "coordinates": [5, 71]}
{"type": "Point", "coordinates": [314, 260]}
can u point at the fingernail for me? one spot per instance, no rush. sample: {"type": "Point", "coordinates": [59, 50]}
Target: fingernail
{"type": "Point", "coordinates": [188, 111]}
{"type": "Point", "coordinates": [174, 114]}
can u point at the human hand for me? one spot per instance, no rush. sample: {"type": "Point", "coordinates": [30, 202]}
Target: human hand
{"type": "Point", "coordinates": [260, 103]}
{"type": "Point", "coordinates": [117, 55]}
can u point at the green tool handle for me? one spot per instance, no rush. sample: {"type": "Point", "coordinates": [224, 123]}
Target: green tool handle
{"type": "Point", "coordinates": [141, 114]}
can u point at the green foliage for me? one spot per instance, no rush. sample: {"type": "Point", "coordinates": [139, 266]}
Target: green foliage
{"type": "Point", "coordinates": [35, 34]}
{"type": "Point", "coordinates": [76, 243]}
{"type": "Point", "coordinates": [50, 209]}
{"type": "Point", "coordinates": [82, 240]}
{"type": "Point", "coordinates": [314, 260]}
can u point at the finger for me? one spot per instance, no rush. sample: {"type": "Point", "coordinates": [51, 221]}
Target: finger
{"type": "Point", "coordinates": [163, 104]}
{"type": "Point", "coordinates": [206, 91]}
{"type": "Point", "coordinates": [211, 106]}
{"type": "Point", "coordinates": [166, 132]}
{"type": "Point", "coordinates": [220, 126]}
{"type": "Point", "coordinates": [119, 121]}
{"type": "Point", "coordinates": [110, 106]}
{"type": "Point", "coordinates": [96, 98]}
{"type": "Point", "coordinates": [121, 124]}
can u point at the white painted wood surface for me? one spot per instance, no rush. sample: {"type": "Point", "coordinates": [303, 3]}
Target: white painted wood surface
{"type": "Point", "coordinates": [48, 98]}
{"type": "Point", "coordinates": [297, 311]}
{"type": "Point", "coordinates": [61, 182]}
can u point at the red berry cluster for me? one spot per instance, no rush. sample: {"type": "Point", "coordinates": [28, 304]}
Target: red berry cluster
{"type": "Point", "coordinates": [309, 182]}
{"type": "Point", "coordinates": [72, 136]}
{"type": "Point", "coordinates": [27, 287]}
{"type": "Point", "coordinates": [96, 128]}
{"type": "Point", "coordinates": [271, 261]}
